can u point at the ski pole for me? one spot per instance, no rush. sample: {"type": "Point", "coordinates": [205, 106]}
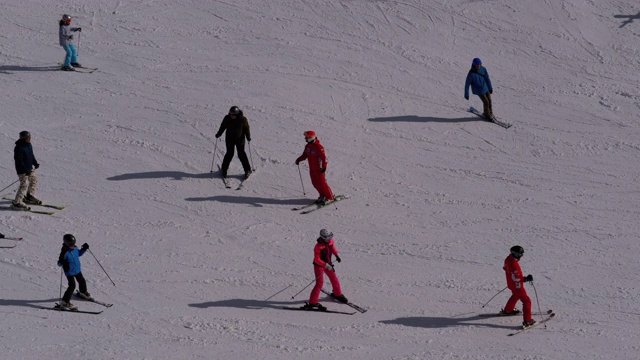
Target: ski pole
{"type": "Point", "coordinates": [505, 288]}
{"type": "Point", "coordinates": [314, 280]}
{"type": "Point", "coordinates": [105, 271]}
{"type": "Point", "coordinates": [536, 292]}
{"type": "Point", "coordinates": [78, 49]}
{"type": "Point", "coordinates": [301, 182]}
{"type": "Point", "coordinates": [60, 285]}
{"type": "Point", "coordinates": [9, 185]}
{"type": "Point", "coordinates": [215, 150]}
{"type": "Point", "coordinates": [251, 157]}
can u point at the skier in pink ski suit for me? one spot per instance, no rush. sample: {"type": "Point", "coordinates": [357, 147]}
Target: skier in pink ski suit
{"type": "Point", "coordinates": [314, 151]}
{"type": "Point", "coordinates": [322, 253]}
{"type": "Point", "coordinates": [515, 283]}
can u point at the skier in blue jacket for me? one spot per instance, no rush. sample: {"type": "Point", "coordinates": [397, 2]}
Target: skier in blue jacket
{"type": "Point", "coordinates": [69, 260]}
{"type": "Point", "coordinates": [478, 79]}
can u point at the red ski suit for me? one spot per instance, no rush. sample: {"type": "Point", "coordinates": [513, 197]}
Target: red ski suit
{"type": "Point", "coordinates": [515, 283]}
{"type": "Point", "coordinates": [322, 253]}
{"type": "Point", "coordinates": [314, 151]}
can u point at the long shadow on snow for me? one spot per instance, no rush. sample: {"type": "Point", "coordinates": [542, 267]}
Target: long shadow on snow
{"type": "Point", "coordinates": [27, 303]}
{"type": "Point", "coordinates": [444, 322]}
{"type": "Point", "coordinates": [246, 304]}
{"type": "Point", "coordinates": [7, 69]}
{"type": "Point", "coordinates": [415, 118]}
{"type": "Point", "coordinates": [255, 201]}
{"type": "Point", "coordinates": [176, 175]}
{"type": "Point", "coordinates": [629, 18]}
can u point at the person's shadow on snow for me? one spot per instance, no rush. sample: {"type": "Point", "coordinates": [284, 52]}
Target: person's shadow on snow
{"type": "Point", "coordinates": [254, 201]}
{"type": "Point", "coordinates": [246, 304]}
{"type": "Point", "coordinates": [9, 69]}
{"type": "Point", "coordinates": [415, 118]}
{"type": "Point", "coordinates": [175, 175]}
{"type": "Point", "coordinates": [28, 303]}
{"type": "Point", "coordinates": [445, 322]}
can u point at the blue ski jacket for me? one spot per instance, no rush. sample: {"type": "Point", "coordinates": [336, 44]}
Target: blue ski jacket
{"type": "Point", "coordinates": [70, 260]}
{"type": "Point", "coordinates": [479, 81]}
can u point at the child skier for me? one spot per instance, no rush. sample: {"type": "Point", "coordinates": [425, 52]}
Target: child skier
{"type": "Point", "coordinates": [322, 264]}
{"type": "Point", "coordinates": [515, 283]}
{"type": "Point", "coordinates": [314, 151]}
{"type": "Point", "coordinates": [66, 41]}
{"type": "Point", "coordinates": [26, 164]}
{"type": "Point", "coordinates": [478, 79]}
{"type": "Point", "coordinates": [237, 128]}
{"type": "Point", "coordinates": [69, 260]}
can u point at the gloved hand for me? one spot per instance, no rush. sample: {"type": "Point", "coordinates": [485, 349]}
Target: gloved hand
{"type": "Point", "coordinates": [249, 139]}
{"type": "Point", "coordinates": [528, 278]}
{"type": "Point", "coordinates": [218, 135]}
{"type": "Point", "coordinates": [328, 266]}
{"type": "Point", "coordinates": [36, 165]}
{"type": "Point", "coordinates": [491, 91]}
{"type": "Point", "coordinates": [323, 170]}
{"type": "Point", "coordinates": [28, 173]}
{"type": "Point", "coordinates": [85, 246]}
{"type": "Point", "coordinates": [297, 162]}
{"type": "Point", "coordinates": [338, 258]}
{"type": "Point", "coordinates": [79, 29]}
{"type": "Point", "coordinates": [466, 97]}
{"type": "Point", "coordinates": [70, 37]}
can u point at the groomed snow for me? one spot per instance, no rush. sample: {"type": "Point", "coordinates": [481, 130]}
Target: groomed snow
{"type": "Point", "coordinates": [438, 196]}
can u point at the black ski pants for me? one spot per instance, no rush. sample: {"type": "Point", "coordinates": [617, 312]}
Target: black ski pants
{"type": "Point", "coordinates": [72, 286]}
{"type": "Point", "coordinates": [231, 146]}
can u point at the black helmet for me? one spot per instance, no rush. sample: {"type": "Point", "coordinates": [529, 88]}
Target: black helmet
{"type": "Point", "coordinates": [517, 251]}
{"type": "Point", "coordinates": [69, 240]}
{"type": "Point", "coordinates": [66, 17]}
{"type": "Point", "coordinates": [234, 110]}
{"type": "Point", "coordinates": [24, 134]}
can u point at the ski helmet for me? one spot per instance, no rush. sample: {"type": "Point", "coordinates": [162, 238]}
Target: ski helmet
{"type": "Point", "coordinates": [234, 110]}
{"type": "Point", "coordinates": [69, 240]}
{"type": "Point", "coordinates": [24, 134]}
{"type": "Point", "coordinates": [517, 251]}
{"type": "Point", "coordinates": [309, 136]}
{"type": "Point", "coordinates": [476, 61]}
{"type": "Point", "coordinates": [66, 18]}
{"type": "Point", "coordinates": [326, 234]}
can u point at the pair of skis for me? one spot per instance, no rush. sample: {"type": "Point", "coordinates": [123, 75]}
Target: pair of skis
{"type": "Point", "coordinates": [57, 306]}
{"type": "Point", "coordinates": [325, 310]}
{"type": "Point", "coordinates": [82, 69]}
{"type": "Point", "coordinates": [549, 314]}
{"type": "Point", "coordinates": [29, 209]}
{"type": "Point", "coordinates": [317, 206]}
{"type": "Point", "coordinates": [228, 185]}
{"type": "Point", "coordinates": [12, 239]}
{"type": "Point", "coordinates": [493, 119]}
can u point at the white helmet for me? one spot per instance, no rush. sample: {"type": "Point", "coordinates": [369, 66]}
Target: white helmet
{"type": "Point", "coordinates": [326, 234]}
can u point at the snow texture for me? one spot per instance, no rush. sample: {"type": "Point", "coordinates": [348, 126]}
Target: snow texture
{"type": "Point", "coordinates": [437, 195]}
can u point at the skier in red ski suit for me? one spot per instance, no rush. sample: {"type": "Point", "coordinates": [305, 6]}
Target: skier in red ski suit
{"type": "Point", "coordinates": [314, 151]}
{"type": "Point", "coordinates": [515, 283]}
{"type": "Point", "coordinates": [322, 253]}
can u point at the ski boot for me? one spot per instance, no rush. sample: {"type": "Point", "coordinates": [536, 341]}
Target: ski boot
{"type": "Point", "coordinates": [316, 306]}
{"type": "Point", "coordinates": [526, 324]}
{"type": "Point", "coordinates": [340, 298]}
{"type": "Point", "coordinates": [19, 206]}
{"type": "Point", "coordinates": [67, 305]}
{"type": "Point", "coordinates": [30, 199]}
{"type": "Point", "coordinates": [85, 295]}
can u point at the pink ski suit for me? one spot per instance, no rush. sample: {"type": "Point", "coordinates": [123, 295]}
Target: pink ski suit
{"type": "Point", "coordinates": [322, 253]}
{"type": "Point", "coordinates": [515, 283]}
{"type": "Point", "coordinates": [314, 151]}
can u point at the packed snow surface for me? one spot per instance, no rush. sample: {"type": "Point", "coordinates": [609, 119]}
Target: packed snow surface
{"type": "Point", "coordinates": [438, 196]}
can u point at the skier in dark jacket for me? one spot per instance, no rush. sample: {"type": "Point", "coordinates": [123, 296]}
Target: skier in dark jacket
{"type": "Point", "coordinates": [69, 260]}
{"type": "Point", "coordinates": [478, 79]}
{"type": "Point", "coordinates": [26, 164]}
{"type": "Point", "coordinates": [237, 128]}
